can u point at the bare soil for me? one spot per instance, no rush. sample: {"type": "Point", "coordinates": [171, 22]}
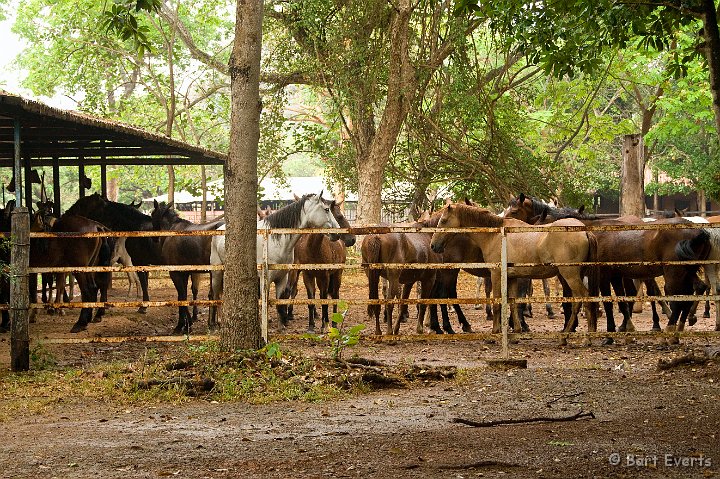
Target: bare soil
{"type": "Point", "coordinates": [660, 423]}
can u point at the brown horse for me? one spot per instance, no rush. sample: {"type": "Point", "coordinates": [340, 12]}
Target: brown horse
{"type": "Point", "coordinates": [546, 248]}
{"type": "Point", "coordinates": [316, 248]}
{"type": "Point", "coordinates": [79, 252]}
{"type": "Point", "coordinates": [401, 248]}
{"type": "Point", "coordinates": [634, 245]}
{"type": "Point", "coordinates": [182, 250]}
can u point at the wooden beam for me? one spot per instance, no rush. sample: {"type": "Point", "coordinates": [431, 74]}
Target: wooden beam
{"type": "Point", "coordinates": [19, 294]}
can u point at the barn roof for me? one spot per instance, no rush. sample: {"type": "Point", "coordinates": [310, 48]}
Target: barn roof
{"type": "Point", "coordinates": [76, 138]}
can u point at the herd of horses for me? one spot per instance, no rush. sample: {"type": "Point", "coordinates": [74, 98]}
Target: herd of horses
{"type": "Point", "coordinates": [587, 261]}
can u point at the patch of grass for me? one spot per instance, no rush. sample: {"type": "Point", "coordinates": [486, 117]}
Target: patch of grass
{"type": "Point", "coordinates": [202, 371]}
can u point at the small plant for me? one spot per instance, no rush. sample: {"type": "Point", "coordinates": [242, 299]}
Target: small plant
{"type": "Point", "coordinates": [272, 350]}
{"type": "Point", "coordinates": [41, 358]}
{"type": "Point", "coordinates": [340, 338]}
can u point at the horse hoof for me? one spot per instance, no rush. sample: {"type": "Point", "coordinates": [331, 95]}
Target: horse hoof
{"type": "Point", "coordinates": [437, 331]}
{"type": "Point", "coordinates": [78, 328]}
{"type": "Point", "coordinates": [656, 328]}
{"type": "Point", "coordinates": [551, 315]}
{"type": "Point", "coordinates": [692, 320]}
{"type": "Point", "coordinates": [467, 329]}
{"type": "Point", "coordinates": [608, 341]}
{"type": "Point", "coordinates": [179, 331]}
{"type": "Point", "coordinates": [449, 331]}
{"type": "Point", "coordinates": [706, 315]}
{"type": "Point", "coordinates": [142, 310]}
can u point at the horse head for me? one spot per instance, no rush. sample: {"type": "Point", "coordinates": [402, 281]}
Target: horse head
{"type": "Point", "coordinates": [448, 219]}
{"type": "Point", "coordinates": [163, 215]}
{"type": "Point", "coordinates": [347, 238]}
{"type": "Point", "coordinates": [317, 214]}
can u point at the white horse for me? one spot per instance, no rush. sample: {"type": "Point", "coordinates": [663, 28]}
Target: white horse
{"type": "Point", "coordinates": [121, 256]}
{"type": "Point", "coordinates": [311, 211]}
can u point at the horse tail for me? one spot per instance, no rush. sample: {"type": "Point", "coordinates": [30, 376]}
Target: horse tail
{"type": "Point", "coordinates": [592, 271]}
{"type": "Point", "coordinates": [371, 253]}
{"type": "Point", "coordinates": [696, 248]}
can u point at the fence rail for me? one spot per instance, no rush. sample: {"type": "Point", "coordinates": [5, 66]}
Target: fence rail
{"type": "Point", "coordinates": [265, 268]}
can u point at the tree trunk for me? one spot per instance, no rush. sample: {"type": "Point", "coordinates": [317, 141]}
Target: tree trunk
{"type": "Point", "coordinates": [711, 35]}
{"type": "Point", "coordinates": [171, 183]}
{"type": "Point", "coordinates": [632, 187]}
{"type": "Point", "coordinates": [240, 326]}
{"type": "Point", "coordinates": [203, 185]}
{"type": "Point", "coordinates": [402, 87]}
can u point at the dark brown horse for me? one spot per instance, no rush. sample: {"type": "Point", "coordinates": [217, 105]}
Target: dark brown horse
{"type": "Point", "coordinates": [316, 248]}
{"type": "Point", "coordinates": [401, 248]}
{"type": "Point", "coordinates": [72, 252]}
{"type": "Point", "coordinates": [182, 250]}
{"type": "Point", "coordinates": [122, 217]}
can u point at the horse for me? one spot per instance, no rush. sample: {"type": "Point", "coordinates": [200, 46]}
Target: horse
{"type": "Point", "coordinates": [122, 217]}
{"type": "Point", "coordinates": [120, 255]}
{"type": "Point", "coordinates": [544, 247]}
{"type": "Point", "coordinates": [401, 248]}
{"type": "Point", "coordinates": [73, 252]}
{"type": "Point", "coordinates": [528, 208]}
{"type": "Point", "coordinates": [315, 248]}
{"type": "Point", "coordinates": [182, 250]}
{"type": "Point", "coordinates": [310, 211]}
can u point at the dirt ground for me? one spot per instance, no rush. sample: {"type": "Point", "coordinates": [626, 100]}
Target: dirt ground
{"type": "Point", "coordinates": [647, 422]}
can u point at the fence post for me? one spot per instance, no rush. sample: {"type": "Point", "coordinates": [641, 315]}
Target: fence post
{"type": "Point", "coordinates": [504, 293]}
{"type": "Point", "coordinates": [19, 295]}
{"type": "Point", "coordinates": [264, 288]}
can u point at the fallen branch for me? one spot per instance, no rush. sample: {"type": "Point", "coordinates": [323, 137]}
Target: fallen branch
{"type": "Point", "coordinates": [681, 361]}
{"type": "Point", "coordinates": [574, 417]}
{"type": "Point", "coordinates": [564, 396]}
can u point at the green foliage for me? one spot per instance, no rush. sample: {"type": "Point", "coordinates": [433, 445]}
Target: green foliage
{"type": "Point", "coordinates": [41, 358]}
{"type": "Point", "coordinates": [341, 338]}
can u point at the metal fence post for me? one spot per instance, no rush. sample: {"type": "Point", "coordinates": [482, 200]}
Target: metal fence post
{"type": "Point", "coordinates": [264, 288]}
{"type": "Point", "coordinates": [504, 293]}
{"type": "Point", "coordinates": [19, 295]}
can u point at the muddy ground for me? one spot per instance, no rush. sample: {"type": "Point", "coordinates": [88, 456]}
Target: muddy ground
{"type": "Point", "coordinates": [652, 422]}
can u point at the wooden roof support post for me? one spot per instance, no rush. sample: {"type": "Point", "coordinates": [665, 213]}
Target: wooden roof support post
{"type": "Point", "coordinates": [81, 180]}
{"type": "Point", "coordinates": [19, 295]}
{"type": "Point", "coordinates": [56, 187]}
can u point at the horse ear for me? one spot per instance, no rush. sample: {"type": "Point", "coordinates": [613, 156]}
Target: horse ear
{"type": "Point", "coordinates": [521, 198]}
{"type": "Point", "coordinates": [320, 194]}
{"type": "Point", "coordinates": [581, 209]}
{"type": "Point", "coordinates": [467, 201]}
{"type": "Point", "coordinates": [448, 201]}
{"type": "Point", "coordinates": [543, 215]}
{"type": "Point", "coordinates": [155, 203]}
{"type": "Point", "coordinates": [297, 198]}
{"type": "Point", "coordinates": [170, 205]}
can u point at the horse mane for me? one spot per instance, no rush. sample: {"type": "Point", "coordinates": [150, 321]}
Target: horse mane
{"type": "Point", "coordinates": [476, 216]}
{"type": "Point", "coordinates": [539, 206]}
{"type": "Point", "coordinates": [431, 222]}
{"type": "Point", "coordinates": [127, 215]}
{"type": "Point", "coordinates": [287, 216]}
{"type": "Point", "coordinates": [172, 215]}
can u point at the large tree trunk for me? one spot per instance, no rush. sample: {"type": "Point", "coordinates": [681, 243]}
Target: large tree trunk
{"type": "Point", "coordinates": [402, 87]}
{"type": "Point", "coordinates": [632, 188]}
{"type": "Point", "coordinates": [240, 326]}
{"type": "Point", "coordinates": [711, 34]}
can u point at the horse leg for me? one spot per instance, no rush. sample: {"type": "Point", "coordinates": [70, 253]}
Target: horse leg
{"type": "Point", "coordinates": [216, 291]}
{"type": "Point", "coordinates": [88, 293]}
{"type": "Point", "coordinates": [102, 281]}
{"type": "Point", "coordinates": [711, 273]}
{"type": "Point", "coordinates": [576, 287]}
{"type": "Point", "coordinates": [393, 327]}
{"type": "Point", "coordinates": [546, 291]}
{"type": "Point", "coordinates": [604, 284]}
{"type": "Point", "coordinates": [335, 280]}
{"type": "Point", "coordinates": [143, 276]}
{"type": "Point", "coordinates": [653, 290]}
{"type": "Point", "coordinates": [373, 310]}
{"type": "Point", "coordinates": [195, 280]}
{"type": "Point", "coordinates": [619, 286]}
{"type": "Point", "coordinates": [489, 315]}
{"type": "Point", "coordinates": [323, 283]}
{"type": "Point", "coordinates": [497, 308]}
{"type": "Point", "coordinates": [180, 280]}
{"type": "Point", "coordinates": [433, 287]}
{"type": "Point", "coordinates": [450, 284]}
{"type": "Point", "coordinates": [309, 281]}
{"type": "Point", "coordinates": [281, 292]}
{"type": "Point", "coordinates": [404, 310]}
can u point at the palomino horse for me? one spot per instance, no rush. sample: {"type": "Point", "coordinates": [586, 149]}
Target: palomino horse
{"type": "Point", "coordinates": [401, 248]}
{"type": "Point", "coordinates": [310, 211]}
{"type": "Point", "coordinates": [182, 250]}
{"type": "Point", "coordinates": [316, 248]}
{"type": "Point", "coordinates": [546, 248]}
